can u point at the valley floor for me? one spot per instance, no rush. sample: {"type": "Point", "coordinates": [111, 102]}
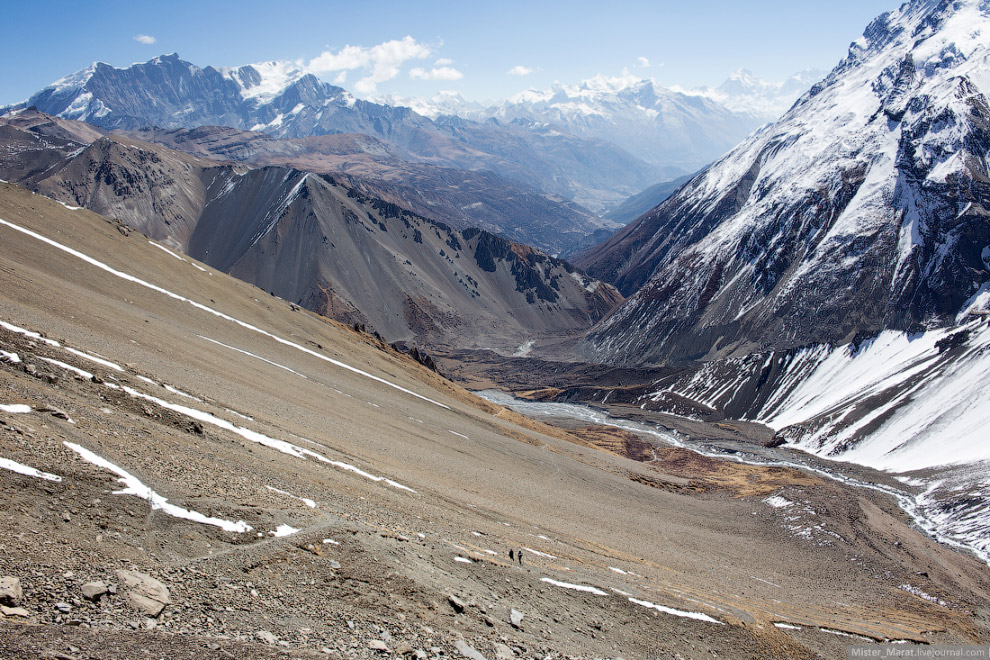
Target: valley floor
{"type": "Point", "coordinates": [382, 500]}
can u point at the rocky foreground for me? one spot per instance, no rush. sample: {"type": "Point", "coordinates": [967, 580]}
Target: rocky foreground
{"type": "Point", "coordinates": [194, 468]}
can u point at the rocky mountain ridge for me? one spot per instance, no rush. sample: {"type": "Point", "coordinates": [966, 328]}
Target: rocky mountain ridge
{"type": "Point", "coordinates": [171, 93]}
{"type": "Point", "coordinates": [863, 209]}
{"type": "Point", "coordinates": [317, 241]}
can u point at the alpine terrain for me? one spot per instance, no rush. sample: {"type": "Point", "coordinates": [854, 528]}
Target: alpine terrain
{"type": "Point", "coordinates": [312, 239]}
{"type": "Point", "coordinates": [286, 102]}
{"type": "Point", "coordinates": [829, 276]}
{"type": "Point", "coordinates": [240, 309]}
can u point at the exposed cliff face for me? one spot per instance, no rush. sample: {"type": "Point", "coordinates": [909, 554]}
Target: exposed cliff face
{"type": "Point", "coordinates": [864, 208]}
{"type": "Point", "coordinates": [321, 243]}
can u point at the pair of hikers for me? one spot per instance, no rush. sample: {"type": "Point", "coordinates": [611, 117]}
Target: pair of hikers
{"type": "Point", "coordinates": [518, 555]}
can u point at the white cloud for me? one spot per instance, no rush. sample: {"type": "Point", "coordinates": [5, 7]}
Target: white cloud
{"type": "Point", "coordinates": [520, 70]}
{"type": "Point", "coordinates": [380, 63]}
{"type": "Point", "coordinates": [436, 73]}
{"type": "Point", "coordinates": [643, 62]}
{"type": "Point", "coordinates": [341, 78]}
{"type": "Point", "coordinates": [443, 61]}
{"type": "Point", "coordinates": [145, 39]}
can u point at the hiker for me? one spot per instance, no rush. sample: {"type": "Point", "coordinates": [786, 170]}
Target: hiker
{"type": "Point", "coordinates": [511, 556]}
{"type": "Point", "coordinates": [519, 555]}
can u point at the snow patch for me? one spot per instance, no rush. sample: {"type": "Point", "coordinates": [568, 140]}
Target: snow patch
{"type": "Point", "coordinates": [698, 616]}
{"type": "Point", "coordinates": [20, 468]}
{"type": "Point", "coordinates": [574, 587]}
{"type": "Point", "coordinates": [133, 486]}
{"type": "Point", "coordinates": [284, 530]}
{"type": "Point", "coordinates": [305, 500]}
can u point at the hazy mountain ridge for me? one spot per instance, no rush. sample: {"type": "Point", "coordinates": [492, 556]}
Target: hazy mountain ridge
{"type": "Point", "coordinates": [322, 243]}
{"type": "Point", "coordinates": [767, 101]}
{"type": "Point", "coordinates": [677, 130]}
{"type": "Point", "coordinates": [171, 93]}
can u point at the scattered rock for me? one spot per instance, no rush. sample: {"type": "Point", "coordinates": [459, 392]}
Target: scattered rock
{"type": "Point", "coordinates": [468, 651]}
{"type": "Point", "coordinates": [94, 590]}
{"type": "Point", "coordinates": [378, 645]}
{"type": "Point", "coordinates": [503, 652]}
{"type": "Point", "coordinates": [11, 593]}
{"type": "Point", "coordinates": [54, 412]}
{"type": "Point", "coordinates": [404, 648]}
{"type": "Point", "coordinates": [458, 604]}
{"type": "Point", "coordinates": [64, 608]}
{"type": "Point", "coordinates": [143, 592]}
{"type": "Point", "coordinates": [267, 637]}
{"type": "Point", "coordinates": [14, 611]}
{"type": "Point", "coordinates": [516, 618]}
{"type": "Point", "coordinates": [334, 564]}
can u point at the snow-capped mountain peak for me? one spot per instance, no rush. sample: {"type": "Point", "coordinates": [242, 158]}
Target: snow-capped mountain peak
{"type": "Point", "coordinates": [265, 80]}
{"type": "Point", "coordinates": [864, 205]}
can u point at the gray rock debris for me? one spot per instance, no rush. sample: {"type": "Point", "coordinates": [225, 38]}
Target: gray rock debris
{"type": "Point", "coordinates": [378, 645]}
{"type": "Point", "coordinates": [468, 651]}
{"type": "Point", "coordinates": [11, 593]}
{"type": "Point", "coordinates": [455, 602]}
{"type": "Point", "coordinates": [93, 590]}
{"type": "Point", "coordinates": [516, 618]}
{"type": "Point", "coordinates": [14, 611]}
{"type": "Point", "coordinates": [503, 652]}
{"type": "Point", "coordinates": [146, 594]}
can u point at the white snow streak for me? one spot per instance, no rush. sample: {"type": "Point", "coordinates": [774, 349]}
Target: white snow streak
{"type": "Point", "coordinates": [133, 486]}
{"type": "Point", "coordinates": [257, 357]}
{"type": "Point", "coordinates": [305, 500]}
{"type": "Point", "coordinates": [15, 408]}
{"type": "Point", "coordinates": [20, 468]}
{"type": "Point", "coordinates": [574, 587]}
{"type": "Point", "coordinates": [210, 310]}
{"type": "Point", "coordinates": [682, 613]}
{"type": "Point", "coordinates": [165, 249]}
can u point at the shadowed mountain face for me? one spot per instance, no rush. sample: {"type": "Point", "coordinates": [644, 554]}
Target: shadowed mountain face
{"type": "Point", "coordinates": [460, 198]}
{"type": "Point", "coordinates": [171, 93]}
{"type": "Point", "coordinates": [864, 208]}
{"type": "Point", "coordinates": [317, 241]}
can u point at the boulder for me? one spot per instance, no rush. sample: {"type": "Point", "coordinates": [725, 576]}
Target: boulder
{"type": "Point", "coordinates": [11, 593]}
{"type": "Point", "coordinates": [145, 594]}
{"type": "Point", "coordinates": [93, 590]}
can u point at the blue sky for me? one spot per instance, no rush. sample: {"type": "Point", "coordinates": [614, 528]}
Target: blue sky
{"type": "Point", "coordinates": [418, 48]}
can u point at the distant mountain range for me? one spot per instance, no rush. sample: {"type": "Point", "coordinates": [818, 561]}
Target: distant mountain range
{"type": "Point", "coordinates": [168, 92]}
{"type": "Point", "coordinates": [678, 131]}
{"type": "Point", "coordinates": [314, 240]}
{"type": "Point", "coordinates": [767, 101]}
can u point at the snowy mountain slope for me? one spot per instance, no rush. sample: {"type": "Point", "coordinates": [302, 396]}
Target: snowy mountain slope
{"type": "Point", "coordinates": [286, 102]}
{"type": "Point", "coordinates": [830, 277]}
{"type": "Point", "coordinates": [908, 404]}
{"type": "Point", "coordinates": [863, 209]}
